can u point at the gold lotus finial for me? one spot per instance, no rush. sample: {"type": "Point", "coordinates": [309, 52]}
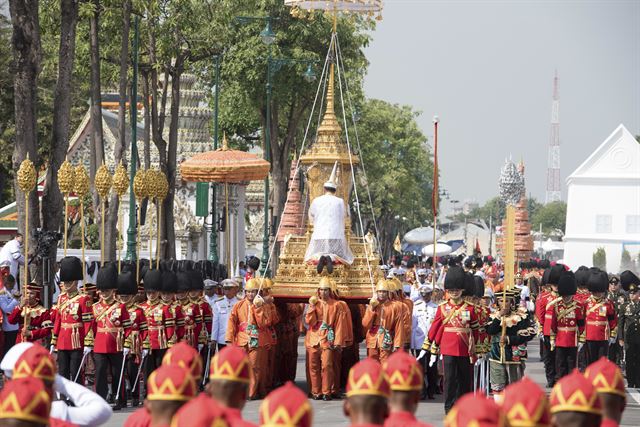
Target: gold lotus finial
{"type": "Point", "coordinates": [27, 175]}
{"type": "Point", "coordinates": [65, 177]}
{"type": "Point", "coordinates": [163, 186]}
{"type": "Point", "coordinates": [140, 184]}
{"type": "Point", "coordinates": [103, 181]}
{"type": "Point", "coordinates": [81, 182]}
{"type": "Point", "coordinates": [153, 182]}
{"type": "Point", "coordinates": [120, 180]}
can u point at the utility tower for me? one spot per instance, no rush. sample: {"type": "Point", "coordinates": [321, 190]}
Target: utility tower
{"type": "Point", "coordinates": [553, 163]}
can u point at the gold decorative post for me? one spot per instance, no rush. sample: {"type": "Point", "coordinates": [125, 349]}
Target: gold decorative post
{"type": "Point", "coordinates": [162, 191]}
{"type": "Point", "coordinates": [120, 185]}
{"type": "Point", "coordinates": [141, 192]}
{"type": "Point", "coordinates": [65, 184]}
{"type": "Point", "coordinates": [81, 184]}
{"type": "Point", "coordinates": [27, 179]}
{"type": "Point", "coordinates": [511, 189]}
{"type": "Point", "coordinates": [103, 186]}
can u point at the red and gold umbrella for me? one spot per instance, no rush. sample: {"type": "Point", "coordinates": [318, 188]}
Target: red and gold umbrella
{"type": "Point", "coordinates": [225, 166]}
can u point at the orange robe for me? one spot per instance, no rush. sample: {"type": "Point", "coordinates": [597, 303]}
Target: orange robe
{"type": "Point", "coordinates": [247, 327]}
{"type": "Point", "coordinates": [385, 330]}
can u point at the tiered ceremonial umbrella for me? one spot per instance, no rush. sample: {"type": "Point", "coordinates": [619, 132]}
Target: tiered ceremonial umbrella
{"type": "Point", "coordinates": [225, 166]}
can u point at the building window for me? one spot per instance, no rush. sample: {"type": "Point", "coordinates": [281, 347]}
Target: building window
{"type": "Point", "coordinates": [603, 223]}
{"type": "Point", "coordinates": [633, 224]}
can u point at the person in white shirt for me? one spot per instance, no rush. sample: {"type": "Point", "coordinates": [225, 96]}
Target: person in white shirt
{"type": "Point", "coordinates": [424, 311]}
{"type": "Point", "coordinates": [88, 408]}
{"type": "Point", "coordinates": [11, 255]}
{"type": "Point", "coordinates": [221, 311]}
{"type": "Point", "coordinates": [210, 292]}
{"type": "Point", "coordinates": [9, 299]}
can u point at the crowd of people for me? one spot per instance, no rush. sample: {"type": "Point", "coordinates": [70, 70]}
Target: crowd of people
{"type": "Point", "coordinates": [177, 345]}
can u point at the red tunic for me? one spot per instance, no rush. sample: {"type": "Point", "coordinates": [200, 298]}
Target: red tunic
{"type": "Point", "coordinates": [403, 419]}
{"type": "Point", "coordinates": [552, 300]}
{"type": "Point", "coordinates": [541, 306]}
{"type": "Point", "coordinates": [192, 323]}
{"type": "Point", "coordinates": [567, 323]}
{"type": "Point", "coordinates": [582, 295]}
{"type": "Point", "coordinates": [177, 314]}
{"type": "Point", "coordinates": [207, 316]}
{"type": "Point", "coordinates": [73, 317]}
{"type": "Point", "coordinates": [40, 323]}
{"type": "Point", "coordinates": [160, 325]}
{"type": "Point", "coordinates": [601, 319]}
{"type": "Point", "coordinates": [454, 329]}
{"type": "Point", "coordinates": [111, 327]}
{"type": "Point", "coordinates": [139, 330]}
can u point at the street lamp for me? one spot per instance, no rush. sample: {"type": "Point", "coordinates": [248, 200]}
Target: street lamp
{"type": "Point", "coordinates": [309, 75]}
{"type": "Point", "coordinates": [213, 236]}
{"type": "Point", "coordinates": [267, 35]}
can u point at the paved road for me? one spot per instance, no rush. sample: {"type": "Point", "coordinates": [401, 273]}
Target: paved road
{"type": "Point", "coordinates": [330, 413]}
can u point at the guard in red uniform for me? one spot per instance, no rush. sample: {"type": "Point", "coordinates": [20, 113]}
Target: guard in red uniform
{"type": "Point", "coordinates": [601, 318]}
{"type": "Point", "coordinates": [454, 332]}
{"type": "Point", "coordinates": [168, 296]}
{"type": "Point", "coordinates": [607, 378]}
{"type": "Point", "coordinates": [160, 322]}
{"type": "Point", "coordinates": [405, 377]}
{"type": "Point", "coordinates": [197, 297]}
{"type": "Point", "coordinates": [549, 353]}
{"type": "Point", "coordinates": [127, 291]}
{"type": "Point", "coordinates": [73, 318]}
{"type": "Point", "coordinates": [190, 311]}
{"type": "Point", "coordinates": [582, 294]}
{"type": "Point", "coordinates": [111, 328]}
{"type": "Point", "coordinates": [567, 325]}
{"type": "Point", "coordinates": [33, 319]}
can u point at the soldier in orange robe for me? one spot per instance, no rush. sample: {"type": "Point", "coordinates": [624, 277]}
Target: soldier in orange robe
{"type": "Point", "coordinates": [406, 308]}
{"type": "Point", "coordinates": [247, 328]}
{"type": "Point", "coordinates": [328, 331]}
{"type": "Point", "coordinates": [383, 322]}
{"type": "Point", "coordinates": [272, 318]}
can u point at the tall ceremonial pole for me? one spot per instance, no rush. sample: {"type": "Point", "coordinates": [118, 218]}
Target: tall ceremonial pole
{"type": "Point", "coordinates": [434, 197]}
{"type": "Point", "coordinates": [81, 184]}
{"type": "Point", "coordinates": [511, 189]}
{"type": "Point", "coordinates": [27, 179]}
{"type": "Point", "coordinates": [65, 184]}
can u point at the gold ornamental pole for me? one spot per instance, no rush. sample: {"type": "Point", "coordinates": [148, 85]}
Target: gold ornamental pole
{"type": "Point", "coordinates": [120, 185]}
{"type": "Point", "coordinates": [65, 184]}
{"type": "Point", "coordinates": [81, 185]}
{"type": "Point", "coordinates": [27, 179]}
{"type": "Point", "coordinates": [151, 178]}
{"type": "Point", "coordinates": [511, 190]}
{"type": "Point", "coordinates": [163, 190]}
{"type": "Point", "coordinates": [103, 186]}
{"type": "Point", "coordinates": [140, 191]}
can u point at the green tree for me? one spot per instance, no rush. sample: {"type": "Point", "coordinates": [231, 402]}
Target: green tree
{"type": "Point", "coordinates": [600, 259]}
{"type": "Point", "coordinates": [552, 216]}
{"type": "Point", "coordinates": [398, 165]}
{"type": "Point", "coordinates": [625, 261]}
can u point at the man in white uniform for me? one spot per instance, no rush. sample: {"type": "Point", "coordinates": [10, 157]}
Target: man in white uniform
{"type": "Point", "coordinates": [11, 255]}
{"type": "Point", "coordinates": [328, 243]}
{"type": "Point", "coordinates": [221, 311]}
{"type": "Point", "coordinates": [424, 311]}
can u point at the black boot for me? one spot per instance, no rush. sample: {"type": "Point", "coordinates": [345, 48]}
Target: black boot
{"type": "Point", "coordinates": [329, 265]}
{"type": "Point", "coordinates": [321, 263]}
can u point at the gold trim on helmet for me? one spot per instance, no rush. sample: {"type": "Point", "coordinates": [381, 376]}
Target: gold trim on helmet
{"type": "Point", "coordinates": [383, 285]}
{"type": "Point", "coordinates": [252, 285]}
{"type": "Point", "coordinates": [396, 284]}
{"type": "Point", "coordinates": [326, 283]}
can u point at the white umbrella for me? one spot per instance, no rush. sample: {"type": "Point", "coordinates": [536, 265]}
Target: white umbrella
{"type": "Point", "coordinates": [441, 249]}
{"type": "Point", "coordinates": [420, 236]}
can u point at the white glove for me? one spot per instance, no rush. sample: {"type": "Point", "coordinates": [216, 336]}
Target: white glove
{"type": "Point", "coordinates": [612, 340]}
{"type": "Point", "coordinates": [580, 345]}
{"type": "Point", "coordinates": [145, 353]}
{"type": "Point", "coordinates": [432, 360]}
{"type": "Point", "coordinates": [52, 348]}
{"type": "Point", "coordinates": [87, 350]}
{"type": "Point", "coordinates": [200, 347]}
{"type": "Point", "coordinates": [126, 351]}
{"type": "Point", "coordinates": [421, 355]}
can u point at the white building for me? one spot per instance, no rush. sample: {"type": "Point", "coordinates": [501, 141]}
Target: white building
{"type": "Point", "coordinates": [603, 203]}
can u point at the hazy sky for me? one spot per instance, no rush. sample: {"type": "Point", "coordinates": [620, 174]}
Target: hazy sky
{"type": "Point", "coordinates": [486, 68]}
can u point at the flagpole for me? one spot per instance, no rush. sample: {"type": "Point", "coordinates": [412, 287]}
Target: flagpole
{"type": "Point", "coordinates": [434, 197]}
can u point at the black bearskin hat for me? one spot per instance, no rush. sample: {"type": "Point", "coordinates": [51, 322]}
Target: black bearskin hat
{"type": "Point", "coordinates": [127, 283]}
{"type": "Point", "coordinates": [567, 284]}
{"type": "Point", "coordinates": [627, 278]}
{"type": "Point", "coordinates": [454, 278]}
{"type": "Point", "coordinates": [169, 282]}
{"type": "Point", "coordinates": [183, 282]}
{"type": "Point", "coordinates": [598, 281]}
{"type": "Point", "coordinates": [555, 273]}
{"type": "Point", "coordinates": [70, 269]}
{"type": "Point", "coordinates": [582, 276]}
{"type": "Point", "coordinates": [107, 278]}
{"type": "Point", "coordinates": [153, 280]}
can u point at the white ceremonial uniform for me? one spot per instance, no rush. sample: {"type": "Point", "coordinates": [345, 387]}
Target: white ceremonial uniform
{"type": "Point", "coordinates": [212, 300]}
{"type": "Point", "coordinates": [88, 409]}
{"type": "Point", "coordinates": [221, 312]}
{"type": "Point", "coordinates": [423, 315]}
{"type": "Point", "coordinates": [10, 254]}
{"type": "Point", "coordinates": [327, 214]}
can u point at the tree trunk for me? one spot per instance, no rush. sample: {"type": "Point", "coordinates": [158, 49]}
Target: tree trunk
{"type": "Point", "coordinates": [146, 152]}
{"type": "Point", "coordinates": [25, 43]}
{"type": "Point", "coordinates": [121, 143]}
{"type": "Point", "coordinates": [97, 154]}
{"type": "Point", "coordinates": [172, 155]}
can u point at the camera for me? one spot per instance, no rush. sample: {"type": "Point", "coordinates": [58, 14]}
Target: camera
{"type": "Point", "coordinates": [45, 239]}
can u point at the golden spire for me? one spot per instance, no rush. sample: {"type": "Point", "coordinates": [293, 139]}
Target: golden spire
{"type": "Point", "coordinates": [330, 126]}
{"type": "Point", "coordinates": [225, 143]}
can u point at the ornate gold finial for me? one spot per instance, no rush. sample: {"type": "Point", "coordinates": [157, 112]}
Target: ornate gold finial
{"type": "Point", "coordinates": [163, 187]}
{"type": "Point", "coordinates": [65, 177]}
{"type": "Point", "coordinates": [140, 184]}
{"type": "Point", "coordinates": [103, 181]}
{"type": "Point", "coordinates": [151, 178]}
{"type": "Point", "coordinates": [225, 143]}
{"type": "Point", "coordinates": [120, 180]}
{"type": "Point", "coordinates": [27, 175]}
{"type": "Point", "coordinates": [81, 182]}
